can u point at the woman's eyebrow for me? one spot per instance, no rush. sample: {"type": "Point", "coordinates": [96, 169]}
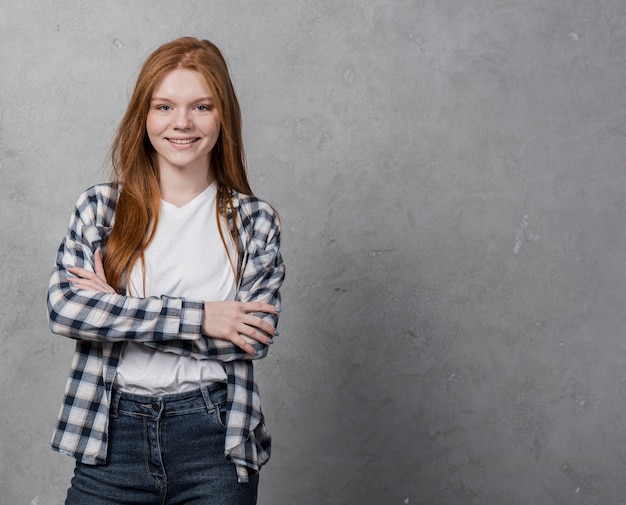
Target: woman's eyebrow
{"type": "Point", "coordinates": [169, 99]}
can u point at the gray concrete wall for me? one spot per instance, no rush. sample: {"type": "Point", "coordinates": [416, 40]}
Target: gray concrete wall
{"type": "Point", "coordinates": [451, 179]}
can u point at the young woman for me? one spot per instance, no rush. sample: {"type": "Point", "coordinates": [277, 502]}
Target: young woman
{"type": "Point", "coordinates": [168, 279]}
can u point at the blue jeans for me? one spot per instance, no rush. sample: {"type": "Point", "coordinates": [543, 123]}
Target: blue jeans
{"type": "Point", "coordinates": [164, 450]}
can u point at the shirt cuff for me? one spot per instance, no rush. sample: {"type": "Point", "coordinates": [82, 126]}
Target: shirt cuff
{"type": "Point", "coordinates": [188, 324]}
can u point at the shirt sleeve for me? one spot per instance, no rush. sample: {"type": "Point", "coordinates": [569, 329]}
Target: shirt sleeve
{"type": "Point", "coordinates": [90, 315]}
{"type": "Point", "coordinates": [264, 270]}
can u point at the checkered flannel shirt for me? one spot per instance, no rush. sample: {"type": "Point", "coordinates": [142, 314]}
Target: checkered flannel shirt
{"type": "Point", "coordinates": [102, 322]}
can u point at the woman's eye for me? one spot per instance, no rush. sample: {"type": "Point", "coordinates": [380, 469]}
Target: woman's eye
{"type": "Point", "coordinates": [164, 108]}
{"type": "Point", "coordinates": [204, 108]}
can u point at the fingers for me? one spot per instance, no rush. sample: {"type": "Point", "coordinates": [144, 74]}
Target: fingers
{"type": "Point", "coordinates": [252, 322]}
{"type": "Point", "coordinates": [251, 308]}
{"type": "Point", "coordinates": [244, 345]}
{"type": "Point", "coordinates": [253, 328]}
{"type": "Point", "coordinates": [84, 284]}
{"type": "Point", "coordinates": [93, 284]}
{"type": "Point", "coordinates": [82, 274]}
{"type": "Point", "coordinates": [99, 266]}
{"type": "Point", "coordinates": [88, 280]}
{"type": "Point", "coordinates": [238, 323]}
{"type": "Point", "coordinates": [258, 307]}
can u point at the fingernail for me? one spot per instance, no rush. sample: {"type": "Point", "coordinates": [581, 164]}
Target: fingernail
{"type": "Point", "coordinates": [257, 353]}
{"type": "Point", "coordinates": [276, 333]}
{"type": "Point", "coordinates": [270, 340]}
{"type": "Point", "coordinates": [278, 309]}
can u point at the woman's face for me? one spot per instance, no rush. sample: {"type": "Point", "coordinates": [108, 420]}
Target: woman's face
{"type": "Point", "coordinates": [183, 124]}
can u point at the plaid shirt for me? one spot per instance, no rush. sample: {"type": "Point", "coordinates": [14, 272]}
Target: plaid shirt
{"type": "Point", "coordinates": [102, 322]}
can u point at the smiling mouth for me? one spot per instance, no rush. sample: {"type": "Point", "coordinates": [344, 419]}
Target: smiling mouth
{"type": "Point", "coordinates": [183, 141]}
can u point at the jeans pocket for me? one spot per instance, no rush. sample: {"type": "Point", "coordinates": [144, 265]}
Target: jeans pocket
{"type": "Point", "coordinates": [220, 414]}
{"type": "Point", "coordinates": [219, 401]}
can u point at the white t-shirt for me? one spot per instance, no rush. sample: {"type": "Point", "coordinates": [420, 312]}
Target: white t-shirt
{"type": "Point", "coordinates": [186, 258]}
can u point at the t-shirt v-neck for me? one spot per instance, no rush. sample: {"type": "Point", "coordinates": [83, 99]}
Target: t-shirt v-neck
{"type": "Point", "coordinates": [206, 195]}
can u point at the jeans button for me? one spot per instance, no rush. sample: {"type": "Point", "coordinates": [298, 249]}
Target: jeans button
{"type": "Point", "coordinates": [155, 407]}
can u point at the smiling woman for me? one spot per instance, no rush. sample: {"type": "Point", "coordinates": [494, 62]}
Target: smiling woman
{"type": "Point", "coordinates": [167, 310]}
{"type": "Point", "coordinates": [183, 126]}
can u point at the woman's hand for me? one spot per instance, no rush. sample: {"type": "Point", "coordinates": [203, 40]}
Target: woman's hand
{"type": "Point", "coordinates": [235, 322]}
{"type": "Point", "coordinates": [91, 281]}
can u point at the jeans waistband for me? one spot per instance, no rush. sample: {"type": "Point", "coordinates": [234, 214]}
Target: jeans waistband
{"type": "Point", "coordinates": [207, 397]}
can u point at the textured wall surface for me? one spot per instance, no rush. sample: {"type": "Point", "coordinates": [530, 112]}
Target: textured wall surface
{"type": "Point", "coordinates": [451, 179]}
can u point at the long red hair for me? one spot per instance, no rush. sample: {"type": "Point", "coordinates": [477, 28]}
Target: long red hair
{"type": "Point", "coordinates": [134, 161]}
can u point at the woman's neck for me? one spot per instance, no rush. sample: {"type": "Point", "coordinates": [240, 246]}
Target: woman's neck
{"type": "Point", "coordinates": [179, 187]}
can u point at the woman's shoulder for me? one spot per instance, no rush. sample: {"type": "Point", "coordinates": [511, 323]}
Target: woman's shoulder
{"type": "Point", "coordinates": [98, 200]}
{"type": "Point", "coordinates": [257, 213]}
{"type": "Point", "coordinates": [105, 191]}
{"type": "Point", "coordinates": [252, 204]}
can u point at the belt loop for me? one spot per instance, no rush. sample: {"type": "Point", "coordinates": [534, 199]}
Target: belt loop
{"type": "Point", "coordinates": [115, 402]}
{"type": "Point", "coordinates": [207, 398]}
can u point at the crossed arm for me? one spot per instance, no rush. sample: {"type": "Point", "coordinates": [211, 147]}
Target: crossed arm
{"type": "Point", "coordinates": [229, 321]}
{"type": "Point", "coordinates": [82, 305]}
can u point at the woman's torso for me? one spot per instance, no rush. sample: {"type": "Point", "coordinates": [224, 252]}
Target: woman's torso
{"type": "Point", "coordinates": [186, 258]}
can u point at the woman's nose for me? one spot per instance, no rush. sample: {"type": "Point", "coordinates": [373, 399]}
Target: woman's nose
{"type": "Point", "coordinates": [182, 119]}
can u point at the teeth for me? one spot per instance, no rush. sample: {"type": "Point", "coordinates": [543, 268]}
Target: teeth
{"type": "Point", "coordinates": [182, 141]}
